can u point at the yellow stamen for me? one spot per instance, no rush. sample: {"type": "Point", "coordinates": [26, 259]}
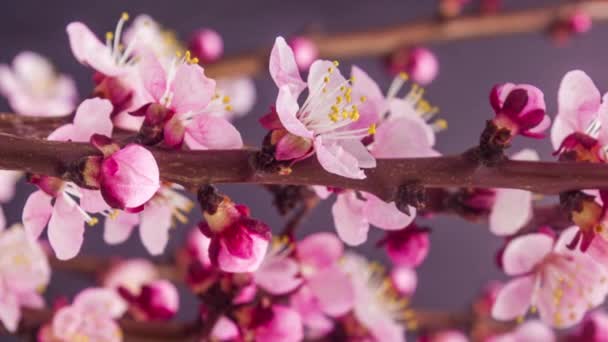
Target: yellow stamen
{"type": "Point", "coordinates": [336, 63]}
{"type": "Point", "coordinates": [372, 129]}
{"type": "Point", "coordinates": [363, 99]}
{"type": "Point", "coordinates": [124, 16]}
{"type": "Point", "coordinates": [226, 99]}
{"type": "Point", "coordinates": [404, 76]}
{"type": "Point", "coordinates": [109, 35]}
{"type": "Point", "coordinates": [93, 221]}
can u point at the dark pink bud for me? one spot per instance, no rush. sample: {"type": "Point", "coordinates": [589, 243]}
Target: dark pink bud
{"type": "Point", "coordinates": [407, 247]}
{"type": "Point", "coordinates": [157, 300]}
{"type": "Point", "coordinates": [580, 22]}
{"type": "Point", "coordinates": [238, 242]}
{"type": "Point", "coordinates": [305, 51]}
{"type": "Point", "coordinates": [520, 109]}
{"type": "Point", "coordinates": [207, 45]}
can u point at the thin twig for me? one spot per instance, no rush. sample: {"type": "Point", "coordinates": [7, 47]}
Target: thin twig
{"type": "Point", "coordinates": [384, 40]}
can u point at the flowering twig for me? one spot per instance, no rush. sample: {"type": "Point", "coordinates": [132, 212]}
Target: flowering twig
{"type": "Point", "coordinates": [193, 168]}
{"type": "Point", "coordinates": [388, 39]}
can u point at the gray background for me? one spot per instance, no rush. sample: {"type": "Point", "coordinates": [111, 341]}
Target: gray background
{"type": "Point", "coordinates": [462, 253]}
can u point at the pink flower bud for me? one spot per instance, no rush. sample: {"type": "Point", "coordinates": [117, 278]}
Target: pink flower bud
{"type": "Point", "coordinates": [580, 22]}
{"type": "Point", "coordinates": [129, 177]}
{"type": "Point", "coordinates": [404, 280]}
{"type": "Point", "coordinates": [304, 50]}
{"type": "Point", "coordinates": [520, 108]}
{"type": "Point", "coordinates": [207, 45]}
{"type": "Point", "coordinates": [407, 247]}
{"type": "Point", "coordinates": [238, 242]}
{"type": "Point", "coordinates": [158, 300]}
{"type": "Point", "coordinates": [420, 63]}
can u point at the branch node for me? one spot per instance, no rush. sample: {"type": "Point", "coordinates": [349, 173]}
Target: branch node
{"type": "Point", "coordinates": [209, 198]}
{"type": "Point", "coordinates": [410, 194]}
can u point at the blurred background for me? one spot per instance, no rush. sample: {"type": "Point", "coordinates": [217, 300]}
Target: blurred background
{"type": "Point", "coordinates": [461, 260]}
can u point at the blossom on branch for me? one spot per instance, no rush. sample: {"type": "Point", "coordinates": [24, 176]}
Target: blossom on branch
{"type": "Point", "coordinates": [33, 87]}
{"type": "Point", "coordinates": [24, 274]}
{"type": "Point", "coordinates": [562, 285]}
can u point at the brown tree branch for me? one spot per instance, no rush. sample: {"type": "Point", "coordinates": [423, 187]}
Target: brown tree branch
{"type": "Point", "coordinates": [193, 168]}
{"type": "Point", "coordinates": [385, 40]}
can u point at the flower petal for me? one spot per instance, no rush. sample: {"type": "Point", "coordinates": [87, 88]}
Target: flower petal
{"type": "Point", "coordinates": [334, 291]}
{"type": "Point", "coordinates": [214, 133]}
{"type": "Point", "coordinates": [375, 104]}
{"type": "Point", "coordinates": [10, 313]}
{"type": "Point", "coordinates": [287, 110]}
{"type": "Point", "coordinates": [90, 51]}
{"type": "Point", "coordinates": [351, 224]}
{"type": "Point", "coordinates": [578, 99]}
{"type": "Point", "coordinates": [93, 116]}
{"type": "Point", "coordinates": [356, 149]}
{"type": "Point", "coordinates": [154, 227]}
{"type": "Point", "coordinates": [335, 159]}
{"type": "Point", "coordinates": [514, 299]}
{"type": "Point", "coordinates": [525, 252]}
{"type": "Point", "coordinates": [153, 75]}
{"type": "Point", "coordinates": [66, 229]}
{"type": "Point", "coordinates": [36, 213]}
{"type": "Point", "coordinates": [320, 250]}
{"type": "Point", "coordinates": [278, 275]}
{"type": "Point", "coordinates": [283, 68]}
{"type": "Point", "coordinates": [100, 301]}
{"type": "Point", "coordinates": [292, 147]}
{"type": "Point", "coordinates": [192, 90]}
{"type": "Point", "coordinates": [386, 215]}
{"type": "Point", "coordinates": [117, 230]}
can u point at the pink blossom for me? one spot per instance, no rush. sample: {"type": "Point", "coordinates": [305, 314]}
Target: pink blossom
{"type": "Point", "coordinates": [305, 51]}
{"type": "Point", "coordinates": [407, 247]}
{"type": "Point", "coordinates": [238, 242]}
{"type": "Point", "coordinates": [66, 217]}
{"type": "Point", "coordinates": [520, 109]}
{"type": "Point", "coordinates": [92, 117]}
{"type": "Point", "coordinates": [319, 256]}
{"type": "Point", "coordinates": [24, 271]}
{"type": "Point", "coordinates": [578, 124]}
{"type": "Point", "coordinates": [282, 324]}
{"type": "Point", "coordinates": [157, 300]}
{"type": "Point", "coordinates": [116, 78]}
{"type": "Point", "coordinates": [184, 100]}
{"type": "Point", "coordinates": [375, 309]}
{"type": "Point", "coordinates": [238, 92]}
{"type": "Point", "coordinates": [561, 284]}
{"type": "Point", "coordinates": [594, 328]}
{"type": "Point", "coordinates": [323, 125]}
{"type": "Point", "coordinates": [130, 274]}
{"type": "Point", "coordinates": [530, 331]}
{"type": "Point", "coordinates": [512, 208]}
{"type": "Point", "coordinates": [32, 87]}
{"type": "Point", "coordinates": [207, 45]}
{"type": "Point", "coordinates": [155, 220]}
{"type": "Point", "coordinates": [91, 316]}
{"type": "Point", "coordinates": [419, 63]}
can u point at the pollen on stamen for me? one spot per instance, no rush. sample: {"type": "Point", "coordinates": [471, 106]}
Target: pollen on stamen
{"type": "Point", "coordinates": [363, 99]}
{"type": "Point", "coordinates": [440, 125]}
{"type": "Point", "coordinates": [336, 63]}
{"type": "Point", "coordinates": [228, 108]}
{"type": "Point", "coordinates": [226, 99]}
{"type": "Point", "coordinates": [404, 76]}
{"type": "Point", "coordinates": [93, 221]}
{"type": "Point", "coordinates": [372, 129]}
{"type": "Point", "coordinates": [109, 35]}
{"type": "Point", "coordinates": [124, 16]}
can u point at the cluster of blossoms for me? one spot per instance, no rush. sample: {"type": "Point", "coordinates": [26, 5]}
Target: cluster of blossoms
{"type": "Point", "coordinates": [256, 287]}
